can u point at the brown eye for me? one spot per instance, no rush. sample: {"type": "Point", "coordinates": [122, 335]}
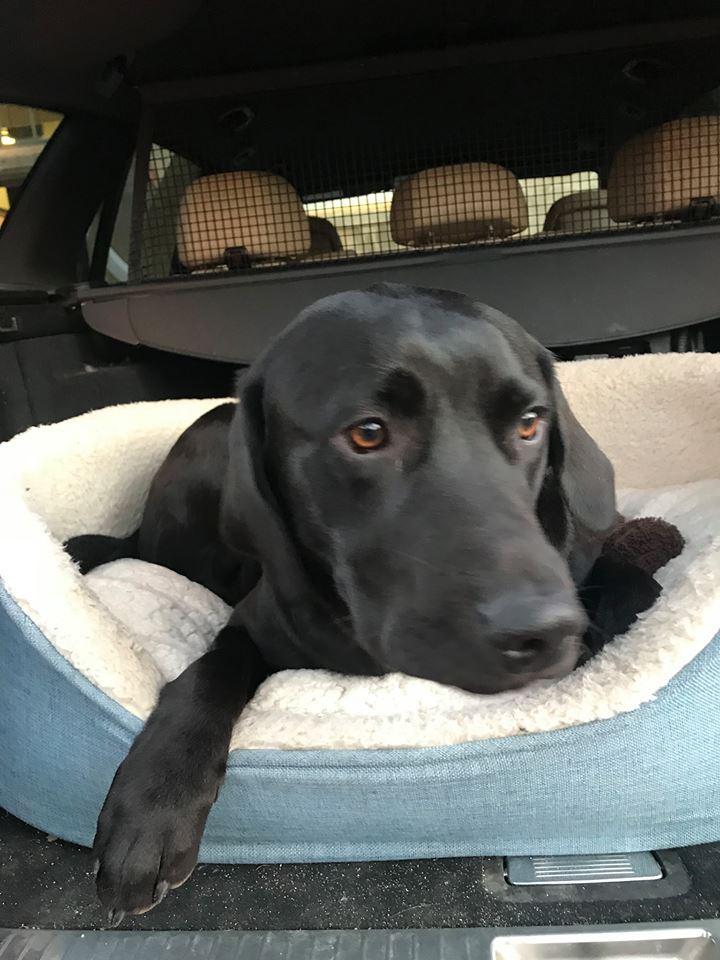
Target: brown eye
{"type": "Point", "coordinates": [368, 435]}
{"type": "Point", "coordinates": [528, 425]}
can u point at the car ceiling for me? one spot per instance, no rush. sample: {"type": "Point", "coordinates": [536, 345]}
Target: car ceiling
{"type": "Point", "coordinates": [67, 53]}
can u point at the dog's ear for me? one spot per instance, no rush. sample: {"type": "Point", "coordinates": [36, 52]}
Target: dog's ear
{"type": "Point", "coordinates": [251, 521]}
{"type": "Point", "coordinates": [580, 478]}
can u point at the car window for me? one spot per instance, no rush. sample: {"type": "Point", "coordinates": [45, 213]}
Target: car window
{"type": "Point", "coordinates": [168, 176]}
{"type": "Point", "coordinates": [24, 133]}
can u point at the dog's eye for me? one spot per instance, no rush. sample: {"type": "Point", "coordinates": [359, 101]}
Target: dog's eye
{"type": "Point", "coordinates": [529, 424]}
{"type": "Point", "coordinates": [368, 435]}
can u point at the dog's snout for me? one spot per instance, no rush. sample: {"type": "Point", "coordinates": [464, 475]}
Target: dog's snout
{"type": "Point", "coordinates": [530, 630]}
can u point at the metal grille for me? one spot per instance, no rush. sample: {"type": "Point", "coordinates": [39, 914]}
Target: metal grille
{"type": "Point", "coordinates": [215, 205]}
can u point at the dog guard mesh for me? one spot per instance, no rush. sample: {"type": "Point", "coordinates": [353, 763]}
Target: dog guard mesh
{"type": "Point", "coordinates": [215, 204]}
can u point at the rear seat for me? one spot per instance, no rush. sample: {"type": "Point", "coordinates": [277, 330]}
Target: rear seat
{"type": "Point", "coordinates": [463, 203]}
{"type": "Point", "coordinates": [669, 173]}
{"type": "Point", "coordinates": [325, 239]}
{"type": "Point", "coordinates": [239, 219]}
{"type": "Point", "coordinates": [326, 243]}
{"type": "Point", "coordinates": [582, 212]}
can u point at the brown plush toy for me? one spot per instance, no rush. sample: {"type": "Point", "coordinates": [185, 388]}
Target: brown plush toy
{"type": "Point", "coordinates": [645, 542]}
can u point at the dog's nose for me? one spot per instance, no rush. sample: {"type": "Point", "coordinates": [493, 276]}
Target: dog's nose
{"type": "Point", "coordinates": [531, 631]}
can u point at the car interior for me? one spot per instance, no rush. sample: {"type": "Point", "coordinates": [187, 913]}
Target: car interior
{"type": "Point", "coordinates": [178, 180]}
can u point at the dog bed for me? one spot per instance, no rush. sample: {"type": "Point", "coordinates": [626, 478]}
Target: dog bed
{"type": "Point", "coordinates": [621, 755]}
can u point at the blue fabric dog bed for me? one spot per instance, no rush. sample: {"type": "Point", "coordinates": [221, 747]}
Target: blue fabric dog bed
{"type": "Point", "coordinates": [622, 755]}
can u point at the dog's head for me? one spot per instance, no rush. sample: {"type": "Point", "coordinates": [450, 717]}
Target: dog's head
{"type": "Point", "coordinates": [405, 458]}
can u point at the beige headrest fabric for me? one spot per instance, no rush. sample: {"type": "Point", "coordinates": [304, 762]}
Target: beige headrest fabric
{"type": "Point", "coordinates": [261, 212]}
{"type": "Point", "coordinates": [660, 172]}
{"type": "Point", "coordinates": [581, 212]}
{"type": "Point", "coordinates": [457, 204]}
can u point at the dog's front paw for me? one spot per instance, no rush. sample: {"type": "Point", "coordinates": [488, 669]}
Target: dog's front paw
{"type": "Point", "coordinates": [142, 853]}
{"type": "Point", "coordinates": [152, 821]}
{"type": "Point", "coordinates": [147, 838]}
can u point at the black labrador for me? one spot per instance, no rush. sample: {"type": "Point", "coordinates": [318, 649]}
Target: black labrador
{"type": "Point", "coordinates": [401, 487]}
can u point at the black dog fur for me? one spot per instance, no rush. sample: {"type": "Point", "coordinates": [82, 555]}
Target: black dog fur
{"type": "Point", "coordinates": [454, 551]}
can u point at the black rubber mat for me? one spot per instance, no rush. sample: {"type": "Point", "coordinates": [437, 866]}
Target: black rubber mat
{"type": "Point", "coordinates": [48, 884]}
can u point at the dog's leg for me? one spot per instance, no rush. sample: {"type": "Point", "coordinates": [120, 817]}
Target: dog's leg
{"type": "Point", "coordinates": [152, 821]}
{"type": "Point", "coordinates": [90, 550]}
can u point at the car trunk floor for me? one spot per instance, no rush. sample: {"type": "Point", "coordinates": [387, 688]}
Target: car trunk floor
{"type": "Point", "coordinates": [46, 883]}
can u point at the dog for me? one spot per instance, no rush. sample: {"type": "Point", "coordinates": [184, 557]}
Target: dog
{"type": "Point", "coordinates": [401, 486]}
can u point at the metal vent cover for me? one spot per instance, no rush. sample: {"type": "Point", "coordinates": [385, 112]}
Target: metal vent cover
{"type": "Point", "coordinates": [570, 870]}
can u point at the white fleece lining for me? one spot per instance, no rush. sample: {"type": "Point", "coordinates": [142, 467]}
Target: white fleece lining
{"type": "Point", "coordinates": [658, 419]}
